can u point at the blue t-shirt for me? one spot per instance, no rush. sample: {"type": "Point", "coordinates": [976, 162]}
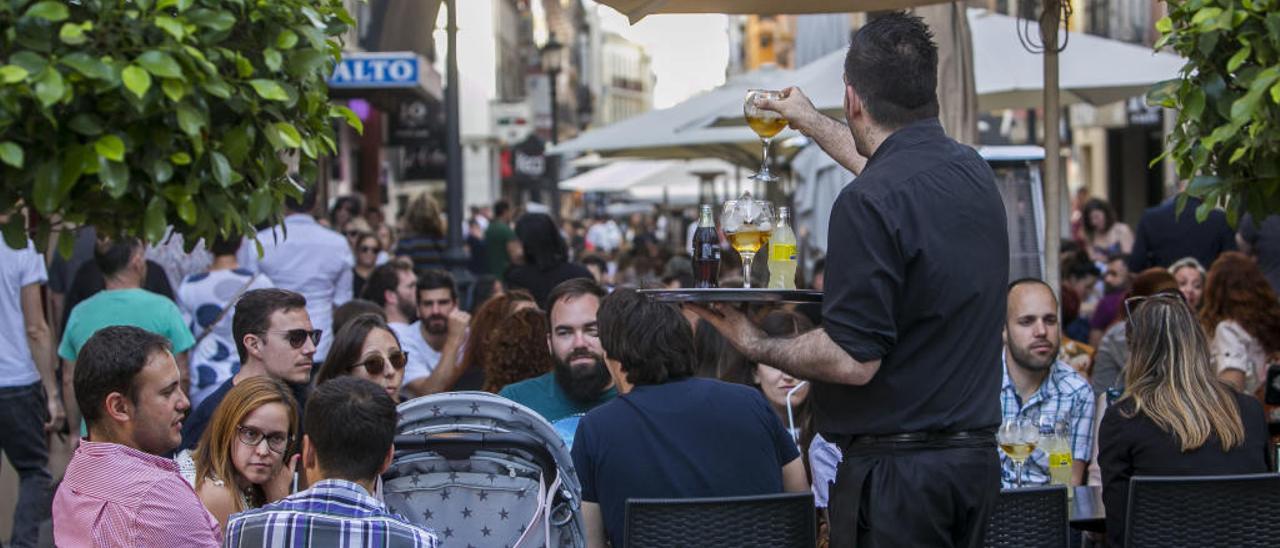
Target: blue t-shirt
{"type": "Point", "coordinates": [544, 395]}
{"type": "Point", "coordinates": [683, 439]}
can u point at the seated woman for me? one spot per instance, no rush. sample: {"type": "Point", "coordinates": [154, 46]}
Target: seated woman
{"type": "Point", "coordinates": [1241, 314]}
{"type": "Point", "coordinates": [1176, 418]}
{"type": "Point", "coordinates": [240, 462]}
{"type": "Point", "coordinates": [517, 350]}
{"type": "Point", "coordinates": [366, 348]}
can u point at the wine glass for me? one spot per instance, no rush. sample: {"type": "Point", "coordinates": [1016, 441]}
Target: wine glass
{"type": "Point", "coordinates": [1018, 437]}
{"type": "Point", "coordinates": [747, 223]}
{"type": "Point", "coordinates": [766, 124]}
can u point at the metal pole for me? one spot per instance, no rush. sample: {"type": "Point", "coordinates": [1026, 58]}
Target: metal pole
{"type": "Point", "coordinates": [1052, 148]}
{"type": "Point", "coordinates": [453, 143]}
{"type": "Point", "coordinates": [553, 167]}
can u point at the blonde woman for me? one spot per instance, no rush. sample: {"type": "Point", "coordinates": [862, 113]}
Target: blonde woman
{"type": "Point", "coordinates": [1176, 417]}
{"type": "Point", "coordinates": [243, 460]}
{"type": "Point", "coordinates": [1190, 275]}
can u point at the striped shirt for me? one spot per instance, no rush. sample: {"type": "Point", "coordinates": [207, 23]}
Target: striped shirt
{"type": "Point", "coordinates": [332, 513]}
{"type": "Point", "coordinates": [114, 495]}
{"type": "Point", "coordinates": [1063, 394]}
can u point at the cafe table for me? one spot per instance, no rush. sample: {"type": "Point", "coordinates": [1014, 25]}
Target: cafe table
{"type": "Point", "coordinates": [1085, 511]}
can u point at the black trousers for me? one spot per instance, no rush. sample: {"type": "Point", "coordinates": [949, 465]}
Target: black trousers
{"type": "Point", "coordinates": [914, 496]}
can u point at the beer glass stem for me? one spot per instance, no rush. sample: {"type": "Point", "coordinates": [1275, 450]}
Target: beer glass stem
{"type": "Point", "coordinates": [764, 161]}
{"type": "Point", "coordinates": [746, 269]}
{"type": "Point", "coordinates": [1017, 472]}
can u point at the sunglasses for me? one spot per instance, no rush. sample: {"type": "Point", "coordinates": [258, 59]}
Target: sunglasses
{"type": "Point", "coordinates": [1133, 303]}
{"type": "Point", "coordinates": [375, 364]}
{"type": "Point", "coordinates": [352, 233]}
{"type": "Point", "coordinates": [252, 437]}
{"type": "Point", "coordinates": [368, 249]}
{"type": "Point", "coordinates": [298, 337]}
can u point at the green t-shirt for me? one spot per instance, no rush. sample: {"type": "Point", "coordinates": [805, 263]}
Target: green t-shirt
{"type": "Point", "coordinates": [495, 245]}
{"type": "Point", "coordinates": [544, 395]}
{"type": "Point", "coordinates": [137, 307]}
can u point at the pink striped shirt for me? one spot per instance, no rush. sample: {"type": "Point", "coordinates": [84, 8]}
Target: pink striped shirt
{"type": "Point", "coordinates": [113, 495]}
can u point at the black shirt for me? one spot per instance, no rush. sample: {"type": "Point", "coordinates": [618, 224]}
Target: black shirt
{"type": "Point", "coordinates": [1162, 239]}
{"type": "Point", "coordinates": [1264, 240]}
{"type": "Point", "coordinates": [682, 439]}
{"type": "Point", "coordinates": [539, 283]}
{"type": "Point", "coordinates": [1136, 446]}
{"type": "Point", "coordinates": [916, 278]}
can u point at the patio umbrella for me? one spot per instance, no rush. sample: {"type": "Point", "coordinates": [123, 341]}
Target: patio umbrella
{"type": "Point", "coordinates": [1051, 21]}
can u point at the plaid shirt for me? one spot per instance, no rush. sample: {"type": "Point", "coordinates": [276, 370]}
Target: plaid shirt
{"type": "Point", "coordinates": [1063, 394]}
{"type": "Point", "coordinates": [332, 513]}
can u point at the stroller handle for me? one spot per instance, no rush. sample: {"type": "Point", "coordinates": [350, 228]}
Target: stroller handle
{"type": "Point", "coordinates": [462, 445]}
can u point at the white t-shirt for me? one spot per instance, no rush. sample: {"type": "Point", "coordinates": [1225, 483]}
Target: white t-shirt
{"type": "Point", "coordinates": [422, 358]}
{"type": "Point", "coordinates": [202, 297]}
{"type": "Point", "coordinates": [18, 269]}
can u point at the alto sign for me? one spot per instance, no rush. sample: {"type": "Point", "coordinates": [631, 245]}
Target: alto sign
{"type": "Point", "coordinates": [378, 70]}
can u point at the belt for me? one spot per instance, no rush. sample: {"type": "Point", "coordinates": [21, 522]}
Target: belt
{"type": "Point", "coordinates": [966, 438]}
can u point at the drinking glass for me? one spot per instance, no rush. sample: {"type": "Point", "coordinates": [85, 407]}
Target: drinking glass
{"type": "Point", "coordinates": [766, 124]}
{"type": "Point", "coordinates": [747, 223]}
{"type": "Point", "coordinates": [1018, 437]}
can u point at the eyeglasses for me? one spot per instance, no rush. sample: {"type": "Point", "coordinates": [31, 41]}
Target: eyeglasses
{"type": "Point", "coordinates": [369, 249]}
{"type": "Point", "coordinates": [298, 337]}
{"type": "Point", "coordinates": [352, 233]}
{"type": "Point", "coordinates": [1133, 302]}
{"type": "Point", "coordinates": [375, 364]}
{"type": "Point", "coordinates": [252, 437]}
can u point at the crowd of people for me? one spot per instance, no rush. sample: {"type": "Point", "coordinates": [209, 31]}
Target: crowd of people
{"type": "Point", "coordinates": [256, 405]}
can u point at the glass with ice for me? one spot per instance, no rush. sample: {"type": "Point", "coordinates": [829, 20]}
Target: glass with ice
{"type": "Point", "coordinates": [747, 223]}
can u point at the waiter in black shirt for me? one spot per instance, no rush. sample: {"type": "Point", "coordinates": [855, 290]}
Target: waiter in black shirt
{"type": "Point", "coordinates": [905, 369]}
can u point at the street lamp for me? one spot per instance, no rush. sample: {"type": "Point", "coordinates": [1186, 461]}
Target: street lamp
{"type": "Point", "coordinates": [552, 58]}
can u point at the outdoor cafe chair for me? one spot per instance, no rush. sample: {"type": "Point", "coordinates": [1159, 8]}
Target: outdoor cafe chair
{"type": "Point", "coordinates": [1031, 516]}
{"type": "Point", "coordinates": [781, 520]}
{"type": "Point", "coordinates": [1204, 511]}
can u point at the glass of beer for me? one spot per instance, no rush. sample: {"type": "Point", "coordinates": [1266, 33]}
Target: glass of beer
{"type": "Point", "coordinates": [766, 124]}
{"type": "Point", "coordinates": [747, 224]}
{"type": "Point", "coordinates": [1018, 437]}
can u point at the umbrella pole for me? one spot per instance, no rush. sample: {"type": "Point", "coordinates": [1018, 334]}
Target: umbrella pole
{"type": "Point", "coordinates": [1052, 148]}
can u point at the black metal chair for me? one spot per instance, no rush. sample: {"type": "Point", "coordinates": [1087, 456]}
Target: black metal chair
{"type": "Point", "coordinates": [1030, 517]}
{"type": "Point", "coordinates": [1203, 511]}
{"type": "Point", "coordinates": [781, 521]}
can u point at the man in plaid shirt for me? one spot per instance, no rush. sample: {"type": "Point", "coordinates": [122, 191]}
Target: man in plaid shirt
{"type": "Point", "coordinates": [351, 424]}
{"type": "Point", "coordinates": [1037, 384]}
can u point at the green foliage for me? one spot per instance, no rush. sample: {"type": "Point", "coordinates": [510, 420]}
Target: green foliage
{"type": "Point", "coordinates": [1227, 139]}
{"type": "Point", "coordinates": [133, 115]}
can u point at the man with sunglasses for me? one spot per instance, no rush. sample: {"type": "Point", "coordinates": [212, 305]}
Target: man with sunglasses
{"type": "Point", "coordinates": [119, 489]}
{"type": "Point", "coordinates": [1038, 385]}
{"type": "Point", "coordinates": [274, 337]}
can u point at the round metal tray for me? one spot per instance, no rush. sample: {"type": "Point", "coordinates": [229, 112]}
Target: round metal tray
{"type": "Point", "coordinates": [732, 295]}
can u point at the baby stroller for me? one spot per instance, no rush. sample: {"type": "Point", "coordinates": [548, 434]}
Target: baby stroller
{"type": "Point", "coordinates": [481, 470]}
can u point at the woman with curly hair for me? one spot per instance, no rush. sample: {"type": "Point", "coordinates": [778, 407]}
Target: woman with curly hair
{"type": "Point", "coordinates": [483, 325]}
{"type": "Point", "coordinates": [517, 350]}
{"type": "Point", "coordinates": [1240, 312]}
{"type": "Point", "coordinates": [1103, 235]}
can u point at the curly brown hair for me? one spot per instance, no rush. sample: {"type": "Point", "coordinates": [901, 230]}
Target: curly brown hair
{"type": "Point", "coordinates": [485, 322]}
{"type": "Point", "coordinates": [1237, 290]}
{"type": "Point", "coordinates": [517, 350]}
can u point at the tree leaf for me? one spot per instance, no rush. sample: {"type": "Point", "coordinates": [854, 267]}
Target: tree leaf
{"type": "Point", "coordinates": [269, 89]}
{"type": "Point", "coordinates": [49, 87]}
{"type": "Point", "coordinates": [15, 230]}
{"type": "Point", "coordinates": [1239, 58]}
{"type": "Point", "coordinates": [288, 134]}
{"type": "Point", "coordinates": [48, 10]}
{"type": "Point", "coordinates": [12, 74]}
{"type": "Point", "coordinates": [260, 206]}
{"type": "Point", "coordinates": [110, 147]}
{"type": "Point", "coordinates": [1202, 212]}
{"type": "Point", "coordinates": [87, 65]}
{"type": "Point", "coordinates": [220, 21]}
{"type": "Point", "coordinates": [217, 87]}
{"type": "Point", "coordinates": [1164, 25]}
{"type": "Point", "coordinates": [350, 115]}
{"type": "Point", "coordinates": [72, 34]}
{"type": "Point", "coordinates": [180, 158]}
{"type": "Point", "coordinates": [190, 120]}
{"type": "Point", "coordinates": [160, 64]}
{"type": "Point", "coordinates": [33, 62]}
{"type": "Point", "coordinates": [86, 124]}
{"type": "Point", "coordinates": [306, 62]}
{"type": "Point", "coordinates": [1237, 155]}
{"type": "Point", "coordinates": [44, 193]}
{"type": "Point", "coordinates": [136, 80]}
{"type": "Point", "coordinates": [272, 59]}
{"type": "Point", "coordinates": [155, 223]}
{"type": "Point", "coordinates": [11, 153]}
{"type": "Point", "coordinates": [187, 211]}
{"type": "Point", "coordinates": [286, 39]}
{"type": "Point", "coordinates": [180, 5]}
{"type": "Point", "coordinates": [161, 171]}
{"type": "Point", "coordinates": [173, 89]}
{"type": "Point", "coordinates": [221, 168]}
{"type": "Point", "coordinates": [114, 176]}
{"type": "Point", "coordinates": [171, 26]}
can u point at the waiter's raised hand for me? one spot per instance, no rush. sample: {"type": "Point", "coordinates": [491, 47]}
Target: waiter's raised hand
{"type": "Point", "coordinates": [733, 325]}
{"type": "Point", "coordinates": [795, 106]}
